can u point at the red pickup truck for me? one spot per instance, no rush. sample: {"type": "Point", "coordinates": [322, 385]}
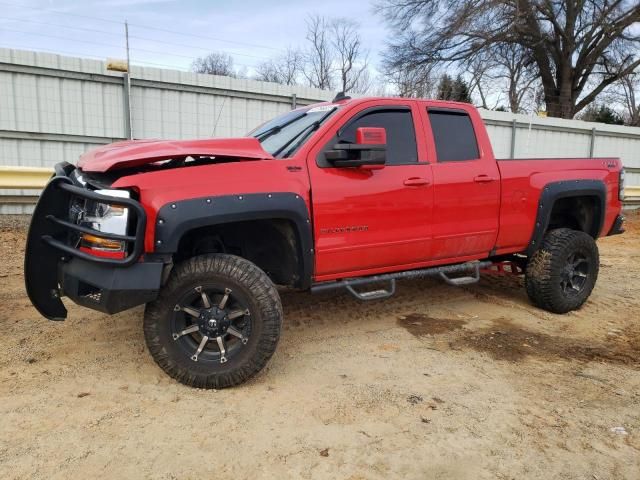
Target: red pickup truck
{"type": "Point", "coordinates": [350, 194]}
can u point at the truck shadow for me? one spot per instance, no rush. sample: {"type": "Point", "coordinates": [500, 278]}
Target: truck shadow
{"type": "Point", "coordinates": [490, 332]}
{"type": "Point", "coordinates": [505, 341]}
{"type": "Point", "coordinates": [416, 295]}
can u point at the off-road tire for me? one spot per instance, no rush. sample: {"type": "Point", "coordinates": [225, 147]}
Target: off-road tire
{"type": "Point", "coordinates": [242, 277]}
{"type": "Point", "coordinates": [546, 267]}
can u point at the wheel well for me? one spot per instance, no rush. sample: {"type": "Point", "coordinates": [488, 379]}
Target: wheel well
{"type": "Point", "coordinates": [273, 245]}
{"type": "Point", "coordinates": [578, 213]}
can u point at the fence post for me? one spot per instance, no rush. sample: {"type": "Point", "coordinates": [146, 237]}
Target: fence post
{"type": "Point", "coordinates": [128, 127]}
{"type": "Point", "coordinates": [513, 138]}
{"type": "Point", "coordinates": [592, 145]}
{"type": "Point", "coordinates": [294, 101]}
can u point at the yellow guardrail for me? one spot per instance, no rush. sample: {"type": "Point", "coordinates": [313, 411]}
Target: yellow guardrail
{"type": "Point", "coordinates": [24, 177]}
{"type": "Point", "coordinates": [37, 177]}
{"type": "Point", "coordinates": [632, 195]}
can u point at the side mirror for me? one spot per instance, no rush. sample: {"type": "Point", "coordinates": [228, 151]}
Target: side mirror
{"type": "Point", "coordinates": [369, 151]}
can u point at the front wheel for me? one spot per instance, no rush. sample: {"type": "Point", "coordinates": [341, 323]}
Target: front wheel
{"type": "Point", "coordinates": [562, 273]}
{"type": "Point", "coordinates": [216, 322]}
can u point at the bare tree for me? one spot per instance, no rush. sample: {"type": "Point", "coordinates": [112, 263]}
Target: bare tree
{"type": "Point", "coordinates": [319, 58]}
{"type": "Point", "coordinates": [285, 69]}
{"type": "Point", "coordinates": [266, 72]}
{"type": "Point", "coordinates": [413, 82]}
{"type": "Point", "coordinates": [216, 63]}
{"type": "Point", "coordinates": [482, 80]}
{"type": "Point", "coordinates": [335, 57]}
{"type": "Point", "coordinates": [578, 47]}
{"type": "Point", "coordinates": [351, 58]}
{"type": "Point", "coordinates": [515, 67]}
{"type": "Point", "coordinates": [630, 96]}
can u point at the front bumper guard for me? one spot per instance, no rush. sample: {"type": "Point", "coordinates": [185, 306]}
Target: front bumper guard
{"type": "Point", "coordinates": [54, 268]}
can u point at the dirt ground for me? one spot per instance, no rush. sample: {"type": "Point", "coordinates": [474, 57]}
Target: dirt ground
{"type": "Point", "coordinates": [436, 383]}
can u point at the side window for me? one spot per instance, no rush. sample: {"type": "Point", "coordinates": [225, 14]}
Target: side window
{"type": "Point", "coordinates": [401, 137]}
{"type": "Point", "coordinates": [453, 135]}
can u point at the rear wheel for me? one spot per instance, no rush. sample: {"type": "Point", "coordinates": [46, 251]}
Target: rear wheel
{"type": "Point", "coordinates": [562, 273]}
{"type": "Point", "coordinates": [216, 322]}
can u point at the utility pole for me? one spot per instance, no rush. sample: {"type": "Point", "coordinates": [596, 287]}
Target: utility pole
{"type": "Point", "coordinates": [129, 127]}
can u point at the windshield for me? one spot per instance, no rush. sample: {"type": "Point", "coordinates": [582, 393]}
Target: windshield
{"type": "Point", "coordinates": [283, 135]}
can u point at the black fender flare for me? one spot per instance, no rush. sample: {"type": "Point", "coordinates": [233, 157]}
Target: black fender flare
{"type": "Point", "coordinates": [174, 219]}
{"type": "Point", "coordinates": [555, 191]}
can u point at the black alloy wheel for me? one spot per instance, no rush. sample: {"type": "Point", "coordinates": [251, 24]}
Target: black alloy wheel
{"type": "Point", "coordinates": [216, 322]}
{"type": "Point", "coordinates": [211, 323]}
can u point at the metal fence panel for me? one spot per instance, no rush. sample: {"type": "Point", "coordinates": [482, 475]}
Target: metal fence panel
{"type": "Point", "coordinates": [54, 108]}
{"type": "Point", "coordinates": [538, 137]}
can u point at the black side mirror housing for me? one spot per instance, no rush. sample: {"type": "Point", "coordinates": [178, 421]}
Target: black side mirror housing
{"type": "Point", "coordinates": [356, 155]}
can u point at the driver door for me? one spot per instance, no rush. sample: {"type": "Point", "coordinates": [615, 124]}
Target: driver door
{"type": "Point", "coordinates": [372, 220]}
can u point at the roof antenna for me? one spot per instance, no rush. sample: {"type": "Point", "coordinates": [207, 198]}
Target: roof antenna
{"type": "Point", "coordinates": [340, 96]}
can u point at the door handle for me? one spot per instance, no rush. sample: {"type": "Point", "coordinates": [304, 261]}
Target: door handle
{"type": "Point", "coordinates": [416, 181]}
{"type": "Point", "coordinates": [483, 179]}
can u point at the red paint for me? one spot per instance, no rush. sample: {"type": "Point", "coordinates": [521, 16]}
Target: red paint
{"type": "Point", "coordinates": [135, 153]}
{"type": "Point", "coordinates": [417, 215]}
{"type": "Point", "coordinates": [102, 253]}
{"type": "Point", "coordinates": [371, 136]}
{"type": "Point", "coordinates": [467, 215]}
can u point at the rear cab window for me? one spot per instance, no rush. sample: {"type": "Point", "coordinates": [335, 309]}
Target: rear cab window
{"type": "Point", "coordinates": [453, 135]}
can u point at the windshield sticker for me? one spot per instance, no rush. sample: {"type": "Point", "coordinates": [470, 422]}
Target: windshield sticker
{"type": "Point", "coordinates": [322, 108]}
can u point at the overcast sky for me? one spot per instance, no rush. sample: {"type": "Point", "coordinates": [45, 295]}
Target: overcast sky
{"type": "Point", "coordinates": [250, 30]}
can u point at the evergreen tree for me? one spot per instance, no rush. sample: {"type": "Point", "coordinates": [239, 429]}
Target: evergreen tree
{"type": "Point", "coordinates": [445, 88]}
{"type": "Point", "coordinates": [461, 90]}
{"type": "Point", "coordinates": [454, 90]}
{"type": "Point", "coordinates": [602, 114]}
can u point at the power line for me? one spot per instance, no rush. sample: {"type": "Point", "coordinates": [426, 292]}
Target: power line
{"type": "Point", "coordinates": [194, 46]}
{"type": "Point", "coordinates": [92, 30]}
{"type": "Point", "coordinates": [110, 45]}
{"type": "Point", "coordinates": [58, 52]}
{"type": "Point", "coordinates": [253, 45]}
{"type": "Point", "coordinates": [69, 27]}
{"type": "Point", "coordinates": [64, 38]}
{"type": "Point", "coordinates": [84, 55]}
{"type": "Point", "coordinates": [153, 64]}
{"type": "Point", "coordinates": [190, 57]}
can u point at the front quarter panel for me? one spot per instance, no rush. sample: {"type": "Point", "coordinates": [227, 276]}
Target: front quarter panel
{"type": "Point", "coordinates": [166, 187]}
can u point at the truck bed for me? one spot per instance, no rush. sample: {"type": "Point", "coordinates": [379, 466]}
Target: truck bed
{"type": "Point", "coordinates": [523, 180]}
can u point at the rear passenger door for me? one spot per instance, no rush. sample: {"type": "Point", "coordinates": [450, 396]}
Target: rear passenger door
{"type": "Point", "coordinates": [466, 184]}
{"type": "Point", "coordinates": [366, 220]}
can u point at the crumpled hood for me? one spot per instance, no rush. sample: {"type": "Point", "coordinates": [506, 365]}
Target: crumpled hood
{"type": "Point", "coordinates": [134, 153]}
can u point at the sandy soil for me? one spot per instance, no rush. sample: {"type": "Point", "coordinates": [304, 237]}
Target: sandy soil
{"type": "Point", "coordinates": [438, 382]}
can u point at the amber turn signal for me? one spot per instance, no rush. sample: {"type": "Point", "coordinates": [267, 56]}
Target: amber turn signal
{"type": "Point", "coordinates": [93, 241]}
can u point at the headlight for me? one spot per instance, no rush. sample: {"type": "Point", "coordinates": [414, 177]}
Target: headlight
{"type": "Point", "coordinates": [106, 218]}
{"type": "Point", "coordinates": [621, 185]}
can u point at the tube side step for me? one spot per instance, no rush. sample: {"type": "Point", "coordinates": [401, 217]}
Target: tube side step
{"type": "Point", "coordinates": [443, 272]}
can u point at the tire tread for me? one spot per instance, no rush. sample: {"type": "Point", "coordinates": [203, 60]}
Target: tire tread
{"type": "Point", "coordinates": [541, 277]}
{"type": "Point", "coordinates": [249, 276]}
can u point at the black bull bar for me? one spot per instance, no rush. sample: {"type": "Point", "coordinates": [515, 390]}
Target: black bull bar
{"type": "Point", "coordinates": [48, 242]}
